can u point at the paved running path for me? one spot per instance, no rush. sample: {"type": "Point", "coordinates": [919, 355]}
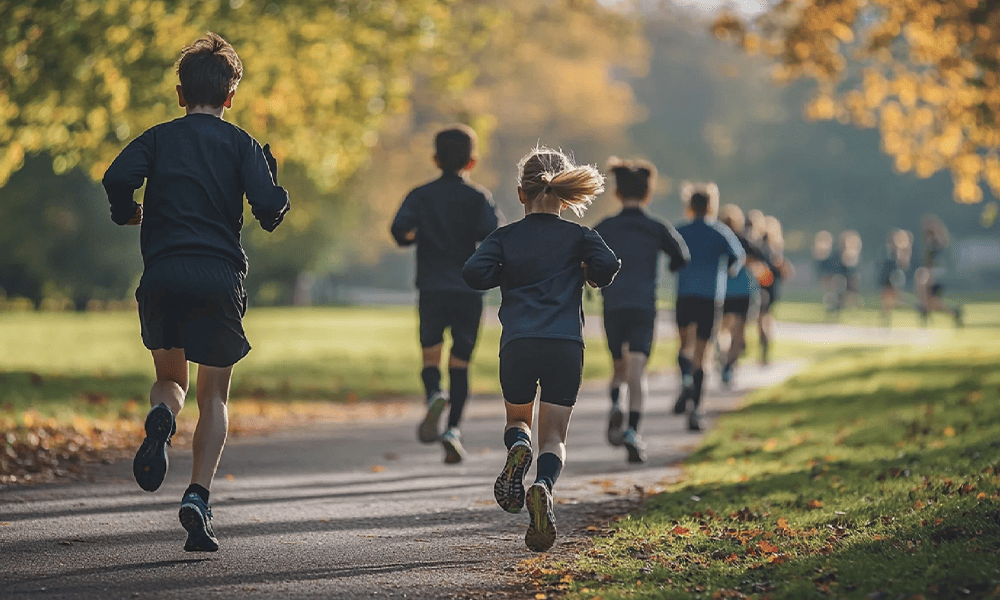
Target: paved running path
{"type": "Point", "coordinates": [357, 510]}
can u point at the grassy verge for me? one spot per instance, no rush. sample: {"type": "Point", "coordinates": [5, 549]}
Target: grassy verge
{"type": "Point", "coordinates": [974, 315]}
{"type": "Point", "coordinates": [871, 475]}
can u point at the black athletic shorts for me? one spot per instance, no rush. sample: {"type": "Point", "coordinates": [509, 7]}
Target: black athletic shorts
{"type": "Point", "coordinates": [737, 305]}
{"type": "Point", "coordinates": [701, 311]}
{"type": "Point", "coordinates": [196, 303]}
{"type": "Point", "coordinates": [631, 325]}
{"type": "Point", "coordinates": [555, 365]}
{"type": "Point", "coordinates": [460, 312]}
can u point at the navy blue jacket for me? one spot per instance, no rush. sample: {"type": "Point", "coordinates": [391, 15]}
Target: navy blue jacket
{"type": "Point", "coordinates": [197, 169]}
{"type": "Point", "coordinates": [637, 240]}
{"type": "Point", "coordinates": [450, 216]}
{"type": "Point", "coordinates": [713, 247]}
{"type": "Point", "coordinates": [537, 264]}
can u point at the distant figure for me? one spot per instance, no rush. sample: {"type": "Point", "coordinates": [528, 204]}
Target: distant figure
{"type": "Point", "coordinates": [742, 295]}
{"type": "Point", "coordinates": [446, 218]}
{"type": "Point", "coordinates": [701, 289]}
{"type": "Point", "coordinates": [827, 264]}
{"type": "Point", "coordinates": [847, 279]}
{"type": "Point", "coordinates": [778, 269]}
{"type": "Point", "coordinates": [637, 239]}
{"type": "Point", "coordinates": [929, 289]}
{"type": "Point", "coordinates": [191, 301]}
{"type": "Point", "coordinates": [892, 277]}
{"type": "Point", "coordinates": [541, 263]}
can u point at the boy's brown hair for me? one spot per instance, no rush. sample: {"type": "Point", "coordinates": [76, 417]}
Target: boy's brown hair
{"type": "Point", "coordinates": [209, 71]}
{"type": "Point", "coordinates": [454, 147]}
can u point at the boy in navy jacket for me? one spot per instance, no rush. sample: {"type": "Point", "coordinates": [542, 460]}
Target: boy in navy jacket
{"type": "Point", "coordinates": [191, 300]}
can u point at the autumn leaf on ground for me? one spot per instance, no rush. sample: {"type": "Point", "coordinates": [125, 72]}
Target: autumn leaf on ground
{"type": "Point", "coordinates": [767, 547]}
{"type": "Point", "coordinates": [681, 530]}
{"type": "Point", "coordinates": [815, 504]}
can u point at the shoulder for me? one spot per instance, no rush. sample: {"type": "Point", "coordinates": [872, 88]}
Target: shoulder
{"type": "Point", "coordinates": [606, 222]}
{"type": "Point", "coordinates": [478, 191]}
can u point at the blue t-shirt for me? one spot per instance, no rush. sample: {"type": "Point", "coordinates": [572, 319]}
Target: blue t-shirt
{"type": "Point", "coordinates": [537, 264]}
{"type": "Point", "coordinates": [637, 240]}
{"type": "Point", "coordinates": [714, 249]}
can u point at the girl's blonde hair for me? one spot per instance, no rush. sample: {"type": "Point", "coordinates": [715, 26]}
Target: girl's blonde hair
{"type": "Point", "coordinates": [545, 173]}
{"type": "Point", "coordinates": [775, 234]}
{"type": "Point", "coordinates": [702, 199]}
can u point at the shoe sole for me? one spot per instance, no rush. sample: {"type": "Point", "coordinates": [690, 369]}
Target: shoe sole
{"type": "Point", "coordinates": [615, 432]}
{"type": "Point", "coordinates": [509, 488]}
{"type": "Point", "coordinates": [453, 452]}
{"type": "Point", "coordinates": [149, 467]}
{"type": "Point", "coordinates": [541, 532]}
{"type": "Point", "coordinates": [193, 521]}
{"type": "Point", "coordinates": [427, 431]}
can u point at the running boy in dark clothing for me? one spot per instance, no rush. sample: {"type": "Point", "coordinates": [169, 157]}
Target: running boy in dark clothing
{"type": "Point", "coordinates": [540, 264]}
{"type": "Point", "coordinates": [191, 301]}
{"type": "Point", "coordinates": [700, 290]}
{"type": "Point", "coordinates": [446, 218]}
{"type": "Point", "coordinates": [630, 302]}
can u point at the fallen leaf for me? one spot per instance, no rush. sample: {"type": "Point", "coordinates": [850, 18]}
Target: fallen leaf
{"type": "Point", "coordinates": [378, 469]}
{"type": "Point", "coordinates": [767, 547]}
{"type": "Point", "coordinates": [783, 524]}
{"type": "Point", "coordinates": [815, 504]}
{"type": "Point", "coordinates": [681, 530]}
{"type": "Point", "coordinates": [949, 431]}
{"type": "Point", "coordinates": [540, 596]}
{"type": "Point", "coordinates": [230, 477]}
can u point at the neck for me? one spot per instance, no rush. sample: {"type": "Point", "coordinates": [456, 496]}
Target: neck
{"type": "Point", "coordinates": [205, 109]}
{"type": "Point", "coordinates": [630, 203]}
{"type": "Point", "coordinates": [539, 206]}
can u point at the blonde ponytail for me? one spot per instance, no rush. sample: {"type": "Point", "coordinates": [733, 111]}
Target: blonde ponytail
{"type": "Point", "coordinates": [547, 173]}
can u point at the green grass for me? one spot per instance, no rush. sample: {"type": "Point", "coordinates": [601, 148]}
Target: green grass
{"type": "Point", "coordinates": [975, 315]}
{"type": "Point", "coordinates": [875, 474]}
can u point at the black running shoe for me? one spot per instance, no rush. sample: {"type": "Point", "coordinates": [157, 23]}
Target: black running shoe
{"type": "Point", "coordinates": [150, 464]}
{"type": "Point", "coordinates": [541, 532]}
{"type": "Point", "coordinates": [680, 407]}
{"type": "Point", "coordinates": [635, 446]}
{"type": "Point", "coordinates": [509, 488]}
{"type": "Point", "coordinates": [196, 518]}
{"type": "Point", "coordinates": [454, 452]}
{"type": "Point", "coordinates": [615, 419]}
{"type": "Point", "coordinates": [427, 431]}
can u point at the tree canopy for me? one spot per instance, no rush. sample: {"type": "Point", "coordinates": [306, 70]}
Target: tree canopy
{"type": "Point", "coordinates": [926, 73]}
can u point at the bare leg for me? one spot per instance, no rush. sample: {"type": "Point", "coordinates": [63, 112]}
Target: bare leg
{"type": "Point", "coordinates": [213, 422]}
{"type": "Point", "coordinates": [636, 378]}
{"type": "Point", "coordinates": [553, 424]}
{"type": "Point", "coordinates": [519, 415]}
{"type": "Point", "coordinates": [172, 379]}
{"type": "Point", "coordinates": [737, 335]}
{"type": "Point", "coordinates": [432, 355]}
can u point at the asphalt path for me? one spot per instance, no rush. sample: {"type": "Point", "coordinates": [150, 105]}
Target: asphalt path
{"type": "Point", "coordinates": [355, 509]}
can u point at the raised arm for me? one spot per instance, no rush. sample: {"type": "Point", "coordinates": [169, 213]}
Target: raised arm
{"type": "Point", "coordinates": [734, 250]}
{"type": "Point", "coordinates": [674, 246]}
{"type": "Point", "coordinates": [127, 174]}
{"type": "Point", "coordinates": [602, 264]}
{"type": "Point", "coordinates": [404, 226]}
{"type": "Point", "coordinates": [484, 269]}
{"type": "Point", "coordinates": [268, 201]}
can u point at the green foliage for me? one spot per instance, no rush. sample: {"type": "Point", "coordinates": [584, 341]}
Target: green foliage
{"type": "Point", "coordinates": [875, 474]}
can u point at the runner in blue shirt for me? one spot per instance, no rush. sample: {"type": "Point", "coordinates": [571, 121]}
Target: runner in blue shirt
{"type": "Point", "coordinates": [701, 287]}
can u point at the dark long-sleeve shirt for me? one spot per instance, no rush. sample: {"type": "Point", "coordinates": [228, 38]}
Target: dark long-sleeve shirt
{"type": "Point", "coordinates": [197, 169]}
{"type": "Point", "coordinates": [713, 248]}
{"type": "Point", "coordinates": [537, 264]}
{"type": "Point", "coordinates": [745, 284]}
{"type": "Point", "coordinates": [450, 216]}
{"type": "Point", "coordinates": [637, 240]}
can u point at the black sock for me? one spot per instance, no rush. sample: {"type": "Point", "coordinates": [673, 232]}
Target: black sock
{"type": "Point", "coordinates": [633, 419]}
{"type": "Point", "coordinates": [699, 378]}
{"type": "Point", "coordinates": [685, 364]}
{"type": "Point", "coordinates": [197, 489]}
{"type": "Point", "coordinates": [615, 391]}
{"type": "Point", "coordinates": [512, 435]}
{"type": "Point", "coordinates": [431, 377]}
{"type": "Point", "coordinates": [458, 392]}
{"type": "Point", "coordinates": [547, 469]}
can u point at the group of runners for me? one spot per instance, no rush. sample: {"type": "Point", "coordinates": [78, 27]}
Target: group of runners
{"type": "Point", "coordinates": [198, 168]}
{"type": "Point", "coordinates": [838, 265]}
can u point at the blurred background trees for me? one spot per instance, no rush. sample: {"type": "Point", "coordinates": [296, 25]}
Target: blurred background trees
{"type": "Point", "coordinates": [350, 93]}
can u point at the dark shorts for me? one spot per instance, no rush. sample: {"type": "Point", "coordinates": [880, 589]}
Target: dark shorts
{"type": "Point", "coordinates": [630, 325]}
{"type": "Point", "coordinates": [195, 303]}
{"type": "Point", "coordinates": [700, 311]}
{"type": "Point", "coordinates": [737, 305]}
{"type": "Point", "coordinates": [460, 312]}
{"type": "Point", "coordinates": [555, 365]}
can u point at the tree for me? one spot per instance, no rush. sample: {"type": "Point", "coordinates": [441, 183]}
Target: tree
{"type": "Point", "coordinates": [925, 72]}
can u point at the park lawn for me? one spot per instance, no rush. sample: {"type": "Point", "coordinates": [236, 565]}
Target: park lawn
{"type": "Point", "coordinates": [875, 474]}
{"type": "Point", "coordinates": [974, 315]}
